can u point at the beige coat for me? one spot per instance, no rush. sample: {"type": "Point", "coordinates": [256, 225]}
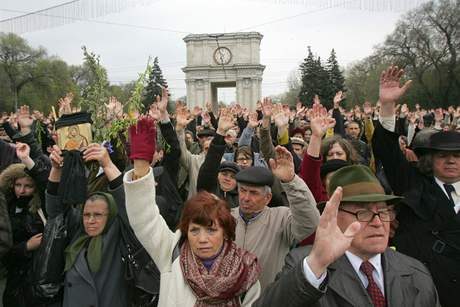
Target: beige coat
{"type": "Point", "coordinates": [152, 231]}
{"type": "Point", "coordinates": [190, 162]}
{"type": "Point", "coordinates": [272, 233]}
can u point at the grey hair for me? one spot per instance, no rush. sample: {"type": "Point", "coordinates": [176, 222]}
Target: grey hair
{"type": "Point", "coordinates": [265, 189]}
{"type": "Point", "coordinates": [425, 164]}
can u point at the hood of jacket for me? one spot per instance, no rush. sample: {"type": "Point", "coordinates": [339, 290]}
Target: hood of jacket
{"type": "Point", "coordinates": [7, 179]}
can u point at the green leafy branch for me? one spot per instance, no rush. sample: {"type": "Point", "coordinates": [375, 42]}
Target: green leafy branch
{"type": "Point", "coordinates": [119, 129]}
{"type": "Point", "coordinates": [95, 95]}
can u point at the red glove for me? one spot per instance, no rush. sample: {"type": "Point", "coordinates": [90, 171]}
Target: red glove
{"type": "Point", "coordinates": [142, 139]}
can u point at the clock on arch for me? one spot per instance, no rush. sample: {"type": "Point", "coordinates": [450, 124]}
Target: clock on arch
{"type": "Point", "coordinates": [222, 55]}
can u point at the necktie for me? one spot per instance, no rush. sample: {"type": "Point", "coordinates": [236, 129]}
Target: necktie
{"type": "Point", "coordinates": [374, 292]}
{"type": "Point", "coordinates": [449, 189]}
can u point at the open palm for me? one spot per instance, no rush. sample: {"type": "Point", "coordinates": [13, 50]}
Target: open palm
{"type": "Point", "coordinates": [390, 90]}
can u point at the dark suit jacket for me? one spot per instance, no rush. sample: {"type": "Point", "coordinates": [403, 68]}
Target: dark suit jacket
{"type": "Point", "coordinates": [429, 228]}
{"type": "Point", "coordinates": [407, 283]}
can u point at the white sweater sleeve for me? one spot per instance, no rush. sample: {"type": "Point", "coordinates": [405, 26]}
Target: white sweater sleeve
{"type": "Point", "coordinates": [145, 219]}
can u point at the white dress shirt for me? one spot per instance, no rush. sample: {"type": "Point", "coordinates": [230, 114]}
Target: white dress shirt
{"type": "Point", "coordinates": [356, 262]}
{"type": "Point", "coordinates": [455, 194]}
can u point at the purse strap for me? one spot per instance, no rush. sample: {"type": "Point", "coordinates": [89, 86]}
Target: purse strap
{"type": "Point", "coordinates": [42, 215]}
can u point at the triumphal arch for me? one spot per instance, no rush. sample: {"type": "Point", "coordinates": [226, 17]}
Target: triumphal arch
{"type": "Point", "coordinates": [223, 60]}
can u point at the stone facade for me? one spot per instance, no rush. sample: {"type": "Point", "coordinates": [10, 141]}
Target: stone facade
{"type": "Point", "coordinates": [231, 61]}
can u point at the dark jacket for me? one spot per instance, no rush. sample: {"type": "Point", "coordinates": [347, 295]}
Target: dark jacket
{"type": "Point", "coordinates": [6, 237]}
{"type": "Point", "coordinates": [25, 223]}
{"type": "Point", "coordinates": [207, 176]}
{"type": "Point", "coordinates": [172, 151]}
{"type": "Point", "coordinates": [428, 226]}
{"type": "Point", "coordinates": [7, 155]}
{"type": "Point", "coordinates": [407, 283]}
{"type": "Point", "coordinates": [107, 287]}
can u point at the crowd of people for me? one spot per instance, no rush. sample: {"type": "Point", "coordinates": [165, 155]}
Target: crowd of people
{"type": "Point", "coordinates": [233, 207]}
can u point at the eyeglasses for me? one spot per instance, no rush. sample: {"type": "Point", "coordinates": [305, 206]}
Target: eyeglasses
{"type": "Point", "coordinates": [95, 216]}
{"type": "Point", "coordinates": [385, 215]}
{"type": "Point", "coordinates": [243, 159]}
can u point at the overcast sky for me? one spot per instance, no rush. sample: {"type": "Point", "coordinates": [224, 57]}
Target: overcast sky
{"type": "Point", "coordinates": [288, 26]}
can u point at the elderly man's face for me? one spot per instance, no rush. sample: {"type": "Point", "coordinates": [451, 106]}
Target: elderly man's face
{"type": "Point", "coordinates": [372, 239]}
{"type": "Point", "coordinates": [446, 166]}
{"type": "Point", "coordinates": [253, 199]}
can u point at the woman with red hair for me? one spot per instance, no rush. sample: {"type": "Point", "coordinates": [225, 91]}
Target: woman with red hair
{"type": "Point", "coordinates": [200, 265]}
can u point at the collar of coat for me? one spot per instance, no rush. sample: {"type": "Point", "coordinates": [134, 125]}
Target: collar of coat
{"type": "Point", "coordinates": [345, 282]}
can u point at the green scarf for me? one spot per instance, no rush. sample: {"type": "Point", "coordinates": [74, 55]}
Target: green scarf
{"type": "Point", "coordinates": [94, 244]}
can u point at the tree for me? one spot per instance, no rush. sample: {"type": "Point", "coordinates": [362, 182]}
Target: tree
{"type": "Point", "coordinates": [290, 96]}
{"type": "Point", "coordinates": [19, 61]}
{"type": "Point", "coordinates": [155, 83]}
{"type": "Point", "coordinates": [45, 92]}
{"type": "Point", "coordinates": [319, 80]}
{"type": "Point", "coordinates": [425, 43]}
{"type": "Point", "coordinates": [336, 79]}
{"type": "Point", "coordinates": [309, 76]}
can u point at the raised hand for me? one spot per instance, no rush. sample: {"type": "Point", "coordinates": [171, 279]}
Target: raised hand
{"type": "Point", "coordinates": [281, 120]}
{"type": "Point", "coordinates": [196, 111]}
{"type": "Point", "coordinates": [209, 107]}
{"type": "Point", "coordinates": [154, 111]}
{"type": "Point", "coordinates": [238, 109]}
{"type": "Point", "coordinates": [162, 102]}
{"type": "Point", "coordinates": [283, 164]}
{"type": "Point", "coordinates": [65, 104]}
{"type": "Point", "coordinates": [457, 112]}
{"type": "Point", "coordinates": [206, 119]}
{"type": "Point", "coordinates": [179, 104]}
{"type": "Point", "coordinates": [404, 110]}
{"type": "Point", "coordinates": [258, 105]}
{"type": "Point", "coordinates": [97, 152]}
{"type": "Point", "coordinates": [57, 161]}
{"type": "Point", "coordinates": [25, 120]}
{"type": "Point", "coordinates": [253, 122]}
{"type": "Point", "coordinates": [412, 118]}
{"type": "Point", "coordinates": [114, 108]}
{"type": "Point", "coordinates": [330, 242]}
{"type": "Point", "coordinates": [320, 121]}
{"type": "Point", "coordinates": [339, 96]}
{"type": "Point", "coordinates": [438, 115]}
{"type": "Point", "coordinates": [183, 118]}
{"type": "Point", "coordinates": [226, 122]}
{"type": "Point", "coordinates": [267, 107]}
{"type": "Point", "coordinates": [142, 139]}
{"type": "Point", "coordinates": [316, 99]}
{"type": "Point", "coordinates": [299, 108]}
{"type": "Point", "coordinates": [390, 90]}
{"type": "Point", "coordinates": [22, 151]}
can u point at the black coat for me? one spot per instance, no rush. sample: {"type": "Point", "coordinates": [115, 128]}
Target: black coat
{"type": "Point", "coordinates": [18, 260]}
{"type": "Point", "coordinates": [6, 237]}
{"type": "Point", "coordinates": [429, 228]}
{"type": "Point", "coordinates": [207, 176]}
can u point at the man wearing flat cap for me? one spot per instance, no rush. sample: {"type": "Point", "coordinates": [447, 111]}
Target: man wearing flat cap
{"type": "Point", "coordinates": [270, 232]}
{"type": "Point", "coordinates": [350, 263]}
{"type": "Point", "coordinates": [429, 223]}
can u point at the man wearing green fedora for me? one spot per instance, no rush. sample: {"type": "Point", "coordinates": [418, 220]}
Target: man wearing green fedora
{"type": "Point", "coordinates": [429, 222]}
{"type": "Point", "coordinates": [350, 263]}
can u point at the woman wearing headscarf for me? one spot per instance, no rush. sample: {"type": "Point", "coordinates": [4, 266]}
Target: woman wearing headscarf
{"type": "Point", "coordinates": [200, 265]}
{"type": "Point", "coordinates": [94, 272]}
